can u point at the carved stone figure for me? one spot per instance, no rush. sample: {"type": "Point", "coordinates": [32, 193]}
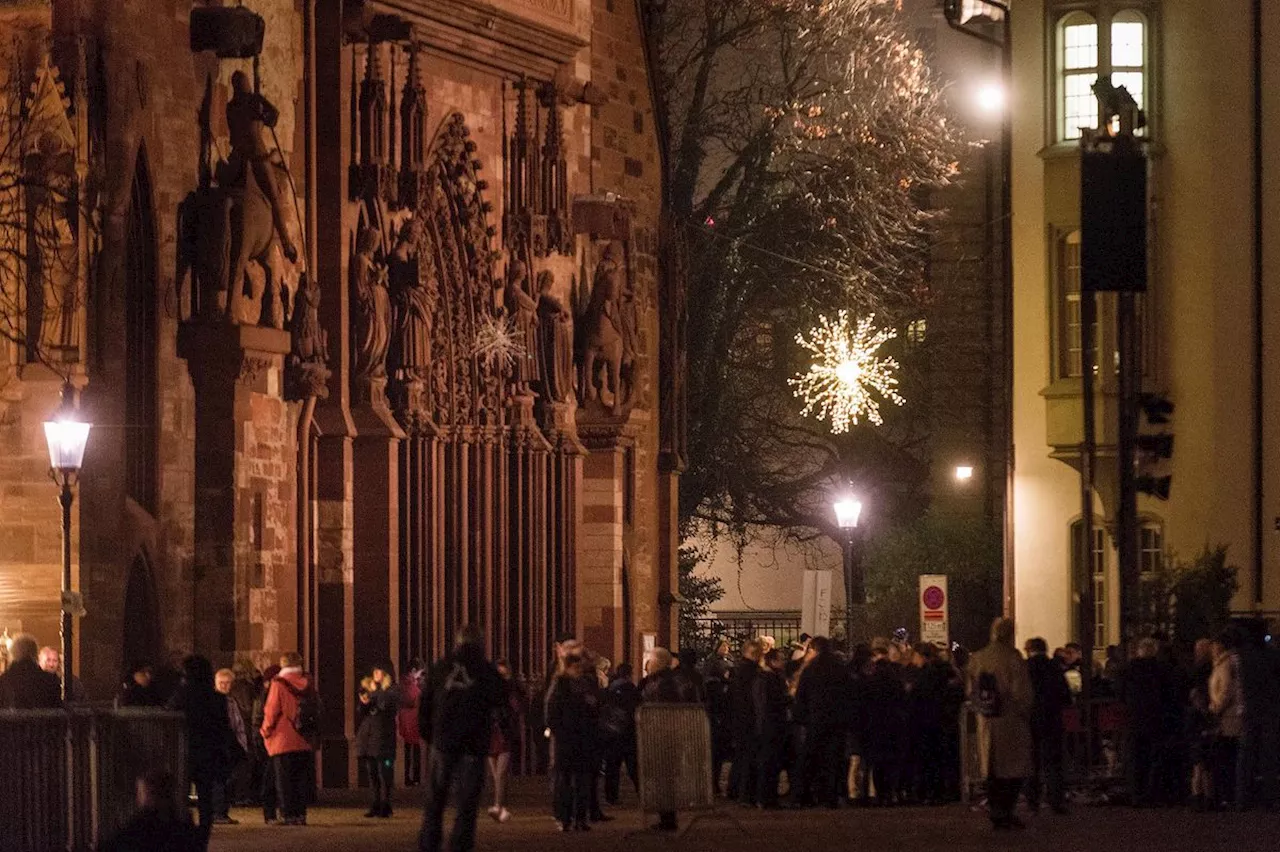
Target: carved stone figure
{"type": "Point", "coordinates": [248, 114]}
{"type": "Point", "coordinates": [523, 310]}
{"type": "Point", "coordinates": [240, 220]}
{"type": "Point", "coordinates": [372, 308]}
{"type": "Point", "coordinates": [555, 341]}
{"type": "Point", "coordinates": [413, 295]}
{"type": "Point", "coordinates": [607, 339]}
{"type": "Point", "coordinates": [308, 337]}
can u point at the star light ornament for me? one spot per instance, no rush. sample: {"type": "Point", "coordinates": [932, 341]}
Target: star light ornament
{"type": "Point", "coordinates": [840, 384]}
{"type": "Point", "coordinates": [497, 342]}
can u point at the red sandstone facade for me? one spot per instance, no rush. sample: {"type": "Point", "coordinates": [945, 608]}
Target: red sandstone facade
{"type": "Point", "coordinates": [449, 408]}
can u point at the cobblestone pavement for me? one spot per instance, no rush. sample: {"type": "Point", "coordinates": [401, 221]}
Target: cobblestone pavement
{"type": "Point", "coordinates": [337, 824]}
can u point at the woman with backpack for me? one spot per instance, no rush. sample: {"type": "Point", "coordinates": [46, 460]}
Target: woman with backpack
{"type": "Point", "coordinates": [290, 722]}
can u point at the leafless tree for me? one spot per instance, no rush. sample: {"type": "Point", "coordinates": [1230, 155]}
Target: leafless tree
{"type": "Point", "coordinates": [805, 136]}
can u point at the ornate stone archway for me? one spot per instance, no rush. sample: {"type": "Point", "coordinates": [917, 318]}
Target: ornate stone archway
{"type": "Point", "coordinates": [488, 502]}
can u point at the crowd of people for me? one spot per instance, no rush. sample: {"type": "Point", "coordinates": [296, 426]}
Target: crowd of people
{"type": "Point", "coordinates": [808, 725]}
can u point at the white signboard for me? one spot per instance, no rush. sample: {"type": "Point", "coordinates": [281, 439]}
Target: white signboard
{"type": "Point", "coordinates": [934, 627]}
{"type": "Point", "coordinates": [815, 603]}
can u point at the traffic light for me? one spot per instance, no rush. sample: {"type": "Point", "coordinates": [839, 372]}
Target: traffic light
{"type": "Point", "coordinates": [1153, 448]}
{"type": "Point", "coordinates": [1157, 408]}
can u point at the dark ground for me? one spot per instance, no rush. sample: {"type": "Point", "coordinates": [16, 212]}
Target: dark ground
{"type": "Point", "coordinates": [337, 824]}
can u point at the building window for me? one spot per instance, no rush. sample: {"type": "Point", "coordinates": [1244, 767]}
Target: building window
{"type": "Point", "coordinates": [1070, 317]}
{"type": "Point", "coordinates": [917, 329]}
{"type": "Point", "coordinates": [1097, 576]}
{"type": "Point", "coordinates": [1151, 548]}
{"type": "Point", "coordinates": [1089, 46]}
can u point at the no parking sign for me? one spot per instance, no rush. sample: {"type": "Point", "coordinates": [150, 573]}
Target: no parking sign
{"type": "Point", "coordinates": [934, 628]}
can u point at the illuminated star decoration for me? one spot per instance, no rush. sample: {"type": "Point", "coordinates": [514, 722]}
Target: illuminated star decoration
{"type": "Point", "coordinates": [839, 385]}
{"type": "Point", "coordinates": [496, 341]}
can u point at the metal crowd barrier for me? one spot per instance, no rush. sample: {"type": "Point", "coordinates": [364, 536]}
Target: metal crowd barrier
{"type": "Point", "coordinates": [67, 777]}
{"type": "Point", "coordinates": [673, 744]}
{"type": "Point", "coordinates": [1091, 756]}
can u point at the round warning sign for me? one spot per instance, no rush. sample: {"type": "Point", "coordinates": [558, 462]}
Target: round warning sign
{"type": "Point", "coordinates": [933, 597]}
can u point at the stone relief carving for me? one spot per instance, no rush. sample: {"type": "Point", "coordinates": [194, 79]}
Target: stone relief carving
{"type": "Point", "coordinates": [555, 342]}
{"type": "Point", "coordinates": [371, 304]}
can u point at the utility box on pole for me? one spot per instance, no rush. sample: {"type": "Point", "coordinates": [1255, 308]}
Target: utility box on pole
{"type": "Point", "coordinates": [1113, 218]}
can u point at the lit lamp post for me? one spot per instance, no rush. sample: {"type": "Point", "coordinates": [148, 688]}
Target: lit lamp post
{"type": "Point", "coordinates": [67, 436]}
{"type": "Point", "coordinates": [848, 511]}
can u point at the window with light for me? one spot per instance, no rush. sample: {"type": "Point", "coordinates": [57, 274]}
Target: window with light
{"type": "Point", "coordinates": [1092, 45]}
{"type": "Point", "coordinates": [1097, 576]}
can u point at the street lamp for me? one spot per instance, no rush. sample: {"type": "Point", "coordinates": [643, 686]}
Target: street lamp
{"type": "Point", "coordinates": [66, 435]}
{"type": "Point", "coordinates": [964, 472]}
{"type": "Point", "coordinates": [848, 511]}
{"type": "Point", "coordinates": [990, 97]}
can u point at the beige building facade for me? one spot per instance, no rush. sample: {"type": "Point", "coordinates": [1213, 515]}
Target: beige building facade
{"type": "Point", "coordinates": [1214, 281]}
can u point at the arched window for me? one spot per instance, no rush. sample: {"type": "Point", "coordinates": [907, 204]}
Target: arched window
{"type": "Point", "coordinates": [1089, 46]}
{"type": "Point", "coordinates": [140, 384]}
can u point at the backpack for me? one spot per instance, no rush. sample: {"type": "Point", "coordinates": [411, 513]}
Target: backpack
{"type": "Point", "coordinates": [307, 720]}
{"type": "Point", "coordinates": [987, 696]}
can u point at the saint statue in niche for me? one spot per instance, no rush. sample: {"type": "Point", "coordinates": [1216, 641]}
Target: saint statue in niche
{"type": "Point", "coordinates": [555, 341]}
{"type": "Point", "coordinates": [414, 296]}
{"type": "Point", "coordinates": [523, 311]}
{"type": "Point", "coordinates": [608, 332]}
{"type": "Point", "coordinates": [304, 324]}
{"type": "Point", "coordinates": [372, 308]}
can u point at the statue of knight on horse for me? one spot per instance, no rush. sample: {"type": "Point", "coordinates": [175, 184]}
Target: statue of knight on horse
{"type": "Point", "coordinates": [239, 220]}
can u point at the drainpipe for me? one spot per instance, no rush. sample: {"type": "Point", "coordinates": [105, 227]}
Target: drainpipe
{"type": "Point", "coordinates": [1258, 384]}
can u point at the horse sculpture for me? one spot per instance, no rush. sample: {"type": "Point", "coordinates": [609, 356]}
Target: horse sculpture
{"type": "Point", "coordinates": [606, 341]}
{"type": "Point", "coordinates": [223, 229]}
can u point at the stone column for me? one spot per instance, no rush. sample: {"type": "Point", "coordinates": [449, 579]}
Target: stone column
{"type": "Point", "coordinates": [601, 540]}
{"type": "Point", "coordinates": [245, 490]}
{"type": "Point", "coordinates": [375, 472]}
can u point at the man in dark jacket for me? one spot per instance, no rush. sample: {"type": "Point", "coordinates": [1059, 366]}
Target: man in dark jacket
{"type": "Point", "coordinates": [771, 702]}
{"type": "Point", "coordinates": [454, 716]}
{"type": "Point", "coordinates": [1051, 696]}
{"type": "Point", "coordinates": [661, 685]}
{"type": "Point", "coordinates": [742, 723]}
{"type": "Point", "coordinates": [26, 686]}
{"type": "Point", "coordinates": [821, 707]}
{"type": "Point", "coordinates": [209, 736]}
{"type": "Point", "coordinates": [1144, 689]}
{"type": "Point", "coordinates": [618, 720]}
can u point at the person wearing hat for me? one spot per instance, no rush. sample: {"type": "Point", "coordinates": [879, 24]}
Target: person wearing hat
{"type": "Point", "coordinates": [378, 704]}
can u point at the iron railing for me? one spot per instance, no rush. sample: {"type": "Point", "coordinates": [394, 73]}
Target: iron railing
{"type": "Point", "coordinates": [68, 776]}
{"type": "Point", "coordinates": [1091, 755]}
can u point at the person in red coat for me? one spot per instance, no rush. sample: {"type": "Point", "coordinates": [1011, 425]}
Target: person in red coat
{"type": "Point", "coordinates": [289, 747]}
{"type": "Point", "coordinates": [407, 721]}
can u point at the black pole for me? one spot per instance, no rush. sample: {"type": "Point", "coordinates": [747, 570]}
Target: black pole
{"type": "Point", "coordinates": [1259, 386]}
{"type": "Point", "coordinates": [1088, 451]}
{"type": "Point", "coordinates": [952, 12]}
{"type": "Point", "coordinates": [855, 593]}
{"type": "Point", "coordinates": [1006, 325]}
{"type": "Point", "coordinates": [1127, 511]}
{"type": "Point", "coordinates": [64, 500]}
